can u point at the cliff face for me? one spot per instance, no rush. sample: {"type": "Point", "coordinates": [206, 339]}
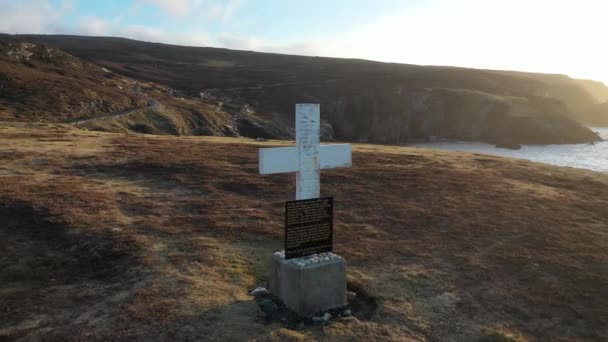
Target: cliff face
{"type": "Point", "coordinates": [598, 90]}
{"type": "Point", "coordinates": [254, 94]}
{"type": "Point", "coordinates": [387, 112]}
{"type": "Point", "coordinates": [597, 114]}
{"type": "Point", "coordinates": [455, 115]}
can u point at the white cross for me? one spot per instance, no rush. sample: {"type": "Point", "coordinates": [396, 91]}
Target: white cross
{"type": "Point", "coordinates": [307, 157]}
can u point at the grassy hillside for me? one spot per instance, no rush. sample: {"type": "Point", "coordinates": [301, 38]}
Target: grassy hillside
{"type": "Point", "coordinates": [143, 237]}
{"type": "Point", "coordinates": [41, 83]}
{"type": "Point", "coordinates": [361, 100]}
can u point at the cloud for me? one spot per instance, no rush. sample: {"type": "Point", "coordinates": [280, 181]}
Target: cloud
{"type": "Point", "coordinates": [32, 16]}
{"type": "Point", "coordinates": [92, 26]}
{"type": "Point", "coordinates": [39, 16]}
{"type": "Point", "coordinates": [46, 17]}
{"type": "Point", "coordinates": [140, 32]}
{"type": "Point", "coordinates": [156, 35]}
{"type": "Point", "coordinates": [557, 36]}
{"type": "Point", "coordinates": [222, 9]}
{"type": "Point", "coordinates": [234, 42]}
{"type": "Point", "coordinates": [210, 9]}
{"type": "Point", "coordinates": [173, 7]}
{"type": "Point", "coordinates": [554, 36]}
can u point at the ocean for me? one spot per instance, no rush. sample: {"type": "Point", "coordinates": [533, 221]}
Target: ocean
{"type": "Point", "coordinates": [585, 156]}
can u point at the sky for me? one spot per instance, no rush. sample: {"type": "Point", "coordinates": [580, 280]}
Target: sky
{"type": "Point", "coordinates": [552, 36]}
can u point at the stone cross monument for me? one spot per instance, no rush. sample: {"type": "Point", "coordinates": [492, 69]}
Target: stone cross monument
{"type": "Point", "coordinates": [309, 284]}
{"type": "Point", "coordinates": [307, 157]}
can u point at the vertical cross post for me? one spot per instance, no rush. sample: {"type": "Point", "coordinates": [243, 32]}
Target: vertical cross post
{"type": "Point", "coordinates": [307, 141]}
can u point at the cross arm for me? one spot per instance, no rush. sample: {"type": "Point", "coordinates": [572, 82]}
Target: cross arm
{"type": "Point", "coordinates": [334, 156]}
{"type": "Point", "coordinates": [286, 159]}
{"type": "Point", "coordinates": [278, 160]}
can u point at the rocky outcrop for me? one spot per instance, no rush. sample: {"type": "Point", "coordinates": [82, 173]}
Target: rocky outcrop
{"type": "Point", "coordinates": [397, 117]}
{"type": "Point", "coordinates": [454, 115]}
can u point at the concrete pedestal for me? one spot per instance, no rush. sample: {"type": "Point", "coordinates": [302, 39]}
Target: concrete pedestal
{"type": "Point", "coordinates": [310, 284]}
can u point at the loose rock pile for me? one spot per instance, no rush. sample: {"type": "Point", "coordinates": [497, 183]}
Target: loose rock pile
{"type": "Point", "coordinates": [274, 311]}
{"type": "Point", "coordinates": [310, 259]}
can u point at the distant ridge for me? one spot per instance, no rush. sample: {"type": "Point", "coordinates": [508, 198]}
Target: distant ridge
{"type": "Point", "coordinates": [361, 100]}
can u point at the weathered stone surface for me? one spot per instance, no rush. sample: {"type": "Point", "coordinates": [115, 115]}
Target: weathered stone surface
{"type": "Point", "coordinates": [308, 288]}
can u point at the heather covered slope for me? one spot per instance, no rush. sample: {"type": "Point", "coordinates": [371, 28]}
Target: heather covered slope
{"type": "Point", "coordinates": [42, 83]}
{"type": "Point", "coordinates": [143, 237]}
{"type": "Point", "coordinates": [361, 100]}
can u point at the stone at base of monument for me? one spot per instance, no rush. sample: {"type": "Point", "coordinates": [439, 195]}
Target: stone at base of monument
{"type": "Point", "coordinates": [309, 284]}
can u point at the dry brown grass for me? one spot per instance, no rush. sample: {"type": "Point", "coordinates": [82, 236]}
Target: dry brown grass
{"type": "Point", "coordinates": [133, 237]}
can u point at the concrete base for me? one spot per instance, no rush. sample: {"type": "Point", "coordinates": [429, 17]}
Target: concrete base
{"type": "Point", "coordinates": [310, 284]}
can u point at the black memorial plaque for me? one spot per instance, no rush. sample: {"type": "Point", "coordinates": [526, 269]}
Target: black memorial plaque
{"type": "Point", "coordinates": [308, 227]}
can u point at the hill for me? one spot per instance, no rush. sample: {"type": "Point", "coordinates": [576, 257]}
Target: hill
{"type": "Point", "coordinates": [42, 83]}
{"type": "Point", "coordinates": [135, 237]}
{"type": "Point", "coordinates": [361, 100]}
